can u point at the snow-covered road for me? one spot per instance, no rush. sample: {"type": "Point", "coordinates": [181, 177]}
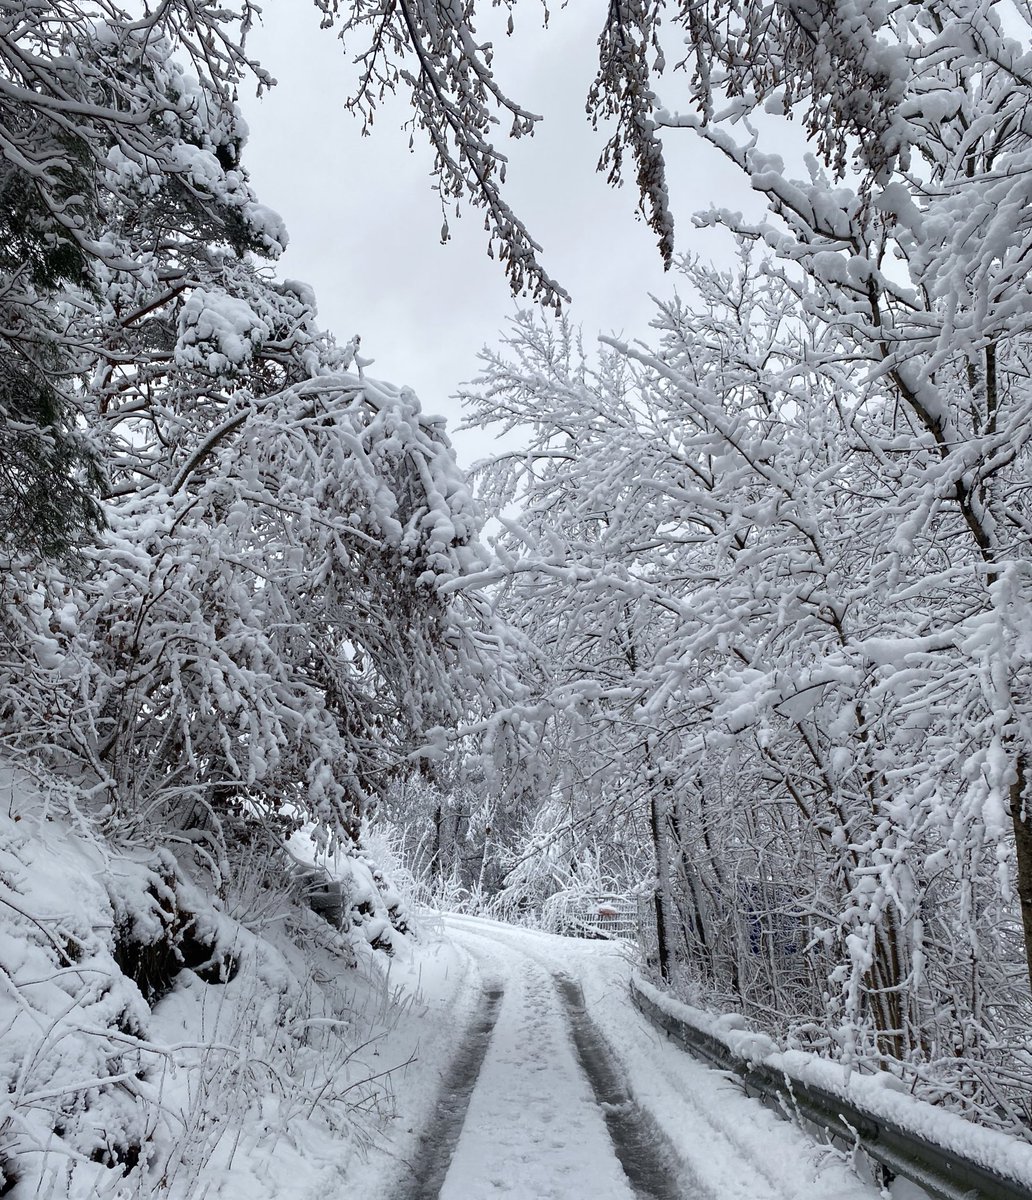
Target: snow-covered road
{"type": "Point", "coordinates": [543, 1082]}
{"type": "Point", "coordinates": [551, 1115]}
{"type": "Point", "coordinates": [533, 1127]}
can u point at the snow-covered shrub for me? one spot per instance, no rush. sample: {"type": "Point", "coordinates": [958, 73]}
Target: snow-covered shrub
{"type": "Point", "coordinates": [156, 1035]}
{"type": "Point", "coordinates": [156, 939]}
{"type": "Point", "coordinates": [350, 889]}
{"type": "Point", "coordinates": [555, 869]}
{"type": "Point", "coordinates": [75, 1062]}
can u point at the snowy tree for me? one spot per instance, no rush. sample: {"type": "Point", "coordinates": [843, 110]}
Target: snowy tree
{"type": "Point", "coordinates": [709, 557]}
{"type": "Point", "coordinates": [904, 228]}
{"type": "Point", "coordinates": [48, 475]}
{"type": "Point", "coordinates": [92, 98]}
{"type": "Point", "coordinates": [912, 257]}
{"type": "Point", "coordinates": [264, 620]}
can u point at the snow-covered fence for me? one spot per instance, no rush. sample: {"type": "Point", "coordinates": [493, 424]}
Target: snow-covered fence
{"type": "Point", "coordinates": [583, 914]}
{"type": "Point", "coordinates": [952, 1159]}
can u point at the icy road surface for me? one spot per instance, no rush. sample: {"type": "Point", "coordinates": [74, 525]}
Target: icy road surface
{"type": "Point", "coordinates": [539, 1080]}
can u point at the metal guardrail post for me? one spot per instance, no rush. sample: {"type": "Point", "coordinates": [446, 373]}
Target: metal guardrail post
{"type": "Point", "coordinates": [940, 1171]}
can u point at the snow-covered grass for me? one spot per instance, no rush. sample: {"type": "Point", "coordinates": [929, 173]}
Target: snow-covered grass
{"type": "Point", "coordinates": [167, 1031]}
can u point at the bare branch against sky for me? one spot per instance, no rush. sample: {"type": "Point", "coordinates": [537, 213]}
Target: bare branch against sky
{"type": "Point", "coordinates": [365, 225]}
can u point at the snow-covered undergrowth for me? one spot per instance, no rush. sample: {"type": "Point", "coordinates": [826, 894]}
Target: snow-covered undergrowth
{"type": "Point", "coordinates": [164, 1029]}
{"type": "Point", "coordinates": [352, 889]}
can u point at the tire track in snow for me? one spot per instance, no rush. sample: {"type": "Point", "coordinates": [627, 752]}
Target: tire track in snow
{"type": "Point", "coordinates": [723, 1142]}
{"type": "Point", "coordinates": [699, 1182]}
{"type": "Point", "coordinates": [650, 1162]}
{"type": "Point", "coordinates": [651, 1165]}
{"type": "Point", "coordinates": [438, 1140]}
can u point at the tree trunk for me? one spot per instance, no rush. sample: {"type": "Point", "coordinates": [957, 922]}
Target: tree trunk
{"type": "Point", "coordinates": [694, 925]}
{"type": "Point", "coordinates": [662, 885]}
{"type": "Point", "coordinates": [436, 865]}
{"type": "Point", "coordinates": [1021, 815]}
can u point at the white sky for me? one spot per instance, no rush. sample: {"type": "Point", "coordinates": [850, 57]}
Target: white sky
{"type": "Point", "coordinates": [365, 225]}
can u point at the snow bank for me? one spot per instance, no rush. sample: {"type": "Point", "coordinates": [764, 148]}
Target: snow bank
{"type": "Point", "coordinates": [162, 1032]}
{"type": "Point", "coordinates": [350, 890]}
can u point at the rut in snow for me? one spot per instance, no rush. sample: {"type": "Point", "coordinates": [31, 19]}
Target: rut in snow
{"type": "Point", "coordinates": [438, 1141]}
{"type": "Point", "coordinates": [651, 1164]}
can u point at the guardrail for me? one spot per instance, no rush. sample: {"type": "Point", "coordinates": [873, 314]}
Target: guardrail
{"type": "Point", "coordinates": [940, 1171]}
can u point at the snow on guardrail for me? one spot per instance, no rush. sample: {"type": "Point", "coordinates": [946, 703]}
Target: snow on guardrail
{"type": "Point", "coordinates": [938, 1150]}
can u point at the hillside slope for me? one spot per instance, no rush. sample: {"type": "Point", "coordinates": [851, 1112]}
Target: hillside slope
{"type": "Point", "coordinates": [183, 1021]}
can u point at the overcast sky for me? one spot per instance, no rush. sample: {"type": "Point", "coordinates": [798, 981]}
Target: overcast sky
{"type": "Point", "coordinates": [365, 225]}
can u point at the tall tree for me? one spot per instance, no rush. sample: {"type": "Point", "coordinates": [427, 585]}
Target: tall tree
{"type": "Point", "coordinates": [91, 99]}
{"type": "Point", "coordinates": [265, 617]}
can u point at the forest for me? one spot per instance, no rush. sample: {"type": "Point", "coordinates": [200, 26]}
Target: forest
{"type": "Point", "coordinates": [738, 634]}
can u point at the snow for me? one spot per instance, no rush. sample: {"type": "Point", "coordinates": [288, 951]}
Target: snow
{"type": "Point", "coordinates": [218, 331]}
{"type": "Point", "coordinates": [435, 986]}
{"type": "Point", "coordinates": [360, 893]}
{"type": "Point", "coordinates": [285, 1149]}
{"type": "Point", "coordinates": [322, 1066]}
{"type": "Point", "coordinates": [533, 1129]}
{"type": "Point", "coordinates": [882, 1095]}
{"type": "Point", "coordinates": [274, 1081]}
